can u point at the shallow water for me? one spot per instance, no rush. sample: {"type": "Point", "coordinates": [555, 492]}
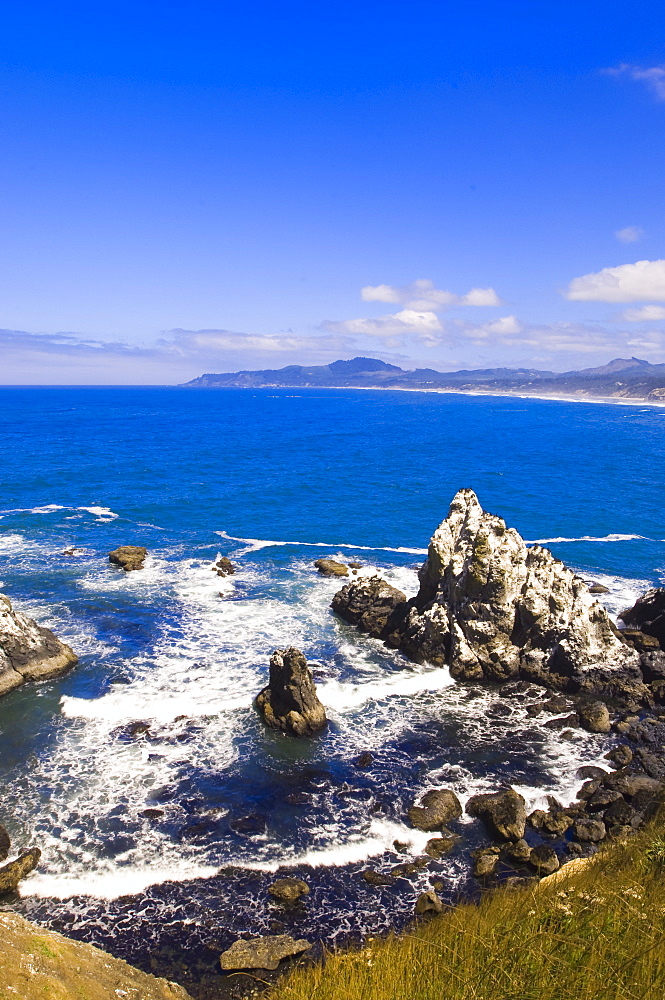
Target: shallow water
{"type": "Point", "coordinates": [274, 479]}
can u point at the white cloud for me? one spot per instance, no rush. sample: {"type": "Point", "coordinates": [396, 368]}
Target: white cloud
{"type": "Point", "coordinates": [644, 280]}
{"type": "Point", "coordinates": [645, 314]}
{"type": "Point", "coordinates": [629, 234]}
{"type": "Point", "coordinates": [653, 77]}
{"type": "Point", "coordinates": [422, 296]}
{"type": "Point", "coordinates": [392, 329]}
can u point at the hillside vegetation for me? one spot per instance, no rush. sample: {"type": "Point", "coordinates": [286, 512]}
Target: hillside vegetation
{"type": "Point", "coordinates": [595, 934]}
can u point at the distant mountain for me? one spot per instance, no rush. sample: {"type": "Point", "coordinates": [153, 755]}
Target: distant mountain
{"type": "Point", "coordinates": [623, 378]}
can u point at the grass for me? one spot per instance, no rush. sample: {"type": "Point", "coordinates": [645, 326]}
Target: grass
{"type": "Point", "coordinates": [598, 934]}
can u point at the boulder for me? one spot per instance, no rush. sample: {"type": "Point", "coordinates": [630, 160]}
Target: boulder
{"type": "Point", "coordinates": [437, 808]}
{"type": "Point", "coordinates": [598, 588]}
{"type": "Point", "coordinates": [5, 843]}
{"type": "Point", "coordinates": [486, 863]}
{"type": "Point", "coordinates": [504, 813]}
{"type": "Point", "coordinates": [128, 557]}
{"type": "Point", "coordinates": [330, 567]}
{"type": "Point", "coordinates": [428, 904]}
{"type": "Point", "coordinates": [438, 846]}
{"type": "Point", "coordinates": [652, 664]}
{"type": "Point", "coordinates": [620, 756]}
{"type": "Point", "coordinates": [11, 874]}
{"type": "Point", "coordinates": [640, 641]}
{"type": "Point", "coordinates": [589, 830]}
{"type": "Point", "coordinates": [519, 851]}
{"type": "Point", "coordinates": [648, 614]}
{"type": "Point", "coordinates": [544, 859]}
{"type": "Point", "coordinates": [288, 890]}
{"type": "Point", "coordinates": [493, 609]}
{"type": "Point", "coordinates": [290, 702]}
{"type": "Point", "coordinates": [377, 878]}
{"type": "Point", "coordinates": [363, 760]}
{"type": "Point", "coordinates": [28, 652]}
{"type": "Point", "coordinates": [261, 952]}
{"type": "Point", "coordinates": [224, 567]}
{"type": "Point", "coordinates": [595, 717]}
{"type": "Point", "coordinates": [368, 603]}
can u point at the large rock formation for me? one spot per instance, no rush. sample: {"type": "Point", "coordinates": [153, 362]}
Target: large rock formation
{"type": "Point", "coordinates": [494, 609]}
{"type": "Point", "coordinates": [290, 702]}
{"type": "Point", "coordinates": [28, 652]}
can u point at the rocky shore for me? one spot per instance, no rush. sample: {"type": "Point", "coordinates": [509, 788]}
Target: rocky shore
{"type": "Point", "coordinates": [28, 652]}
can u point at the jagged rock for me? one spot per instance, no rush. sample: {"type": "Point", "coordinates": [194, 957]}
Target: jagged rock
{"type": "Point", "coordinates": [290, 702]}
{"type": "Point", "coordinates": [589, 830]}
{"type": "Point", "coordinates": [409, 867]}
{"type": "Point", "coordinates": [368, 603]}
{"type": "Point", "coordinates": [11, 874]}
{"type": "Point", "coordinates": [288, 890]}
{"type": "Point", "coordinates": [330, 567]}
{"type": "Point", "coordinates": [5, 843]}
{"type": "Point", "coordinates": [648, 614]}
{"type": "Point", "coordinates": [620, 813]}
{"type": "Point", "coordinates": [602, 798]}
{"type": "Point", "coordinates": [128, 557]}
{"type": "Point", "coordinates": [544, 859]}
{"type": "Point", "coordinates": [591, 771]}
{"type": "Point", "coordinates": [595, 717]}
{"type": "Point", "coordinates": [493, 609]}
{"type": "Point", "coordinates": [28, 652]}
{"type": "Point", "coordinates": [428, 904]}
{"type": "Point", "coordinates": [363, 760]}
{"type": "Point", "coordinates": [437, 808]}
{"type": "Point", "coordinates": [224, 567]}
{"type": "Point", "coordinates": [504, 813]}
{"type": "Point", "coordinates": [652, 664]}
{"type": "Point", "coordinates": [598, 588]}
{"type": "Point", "coordinates": [640, 641]}
{"type": "Point", "coordinates": [261, 952]}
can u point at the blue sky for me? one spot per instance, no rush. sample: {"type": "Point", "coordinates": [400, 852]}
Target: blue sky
{"type": "Point", "coordinates": [212, 186]}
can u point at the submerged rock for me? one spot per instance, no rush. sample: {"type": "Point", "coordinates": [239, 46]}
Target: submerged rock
{"type": "Point", "coordinates": [28, 652]}
{"type": "Point", "coordinates": [128, 557]}
{"type": "Point", "coordinates": [288, 890]}
{"type": "Point", "coordinates": [290, 702]}
{"type": "Point", "coordinates": [437, 808]}
{"type": "Point", "coordinates": [330, 567]}
{"type": "Point", "coordinates": [504, 813]}
{"type": "Point", "coordinates": [262, 952]}
{"type": "Point", "coordinates": [648, 614]}
{"type": "Point", "coordinates": [11, 874]}
{"type": "Point", "coordinates": [493, 609]}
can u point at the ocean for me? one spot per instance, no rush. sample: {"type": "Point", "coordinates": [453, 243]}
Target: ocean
{"type": "Point", "coordinates": [161, 803]}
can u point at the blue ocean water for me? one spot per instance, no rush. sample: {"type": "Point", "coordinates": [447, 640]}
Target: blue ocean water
{"type": "Point", "coordinates": [136, 822]}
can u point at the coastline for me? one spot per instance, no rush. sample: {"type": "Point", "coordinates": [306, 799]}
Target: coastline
{"type": "Point", "coordinates": [605, 400]}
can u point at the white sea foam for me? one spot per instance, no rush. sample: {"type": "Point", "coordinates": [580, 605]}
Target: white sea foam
{"type": "Point", "coordinates": [590, 538]}
{"type": "Point", "coordinates": [117, 881]}
{"type": "Point", "coordinates": [342, 697]}
{"type": "Point", "coordinates": [255, 544]}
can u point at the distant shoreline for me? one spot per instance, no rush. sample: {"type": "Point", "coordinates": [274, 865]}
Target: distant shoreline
{"type": "Point", "coordinates": [618, 400]}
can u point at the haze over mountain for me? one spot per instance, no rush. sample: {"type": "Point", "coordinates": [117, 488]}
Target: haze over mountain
{"type": "Point", "coordinates": [629, 378]}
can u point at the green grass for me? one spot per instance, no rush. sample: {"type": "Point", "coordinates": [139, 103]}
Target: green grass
{"type": "Point", "coordinates": [597, 935]}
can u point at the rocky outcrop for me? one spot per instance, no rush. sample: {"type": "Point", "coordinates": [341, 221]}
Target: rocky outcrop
{"type": "Point", "coordinates": [224, 567]}
{"type": "Point", "coordinates": [37, 964]}
{"type": "Point", "coordinates": [261, 952]}
{"type": "Point", "coordinates": [28, 652]}
{"type": "Point", "coordinates": [369, 604]}
{"type": "Point", "coordinates": [288, 890]}
{"type": "Point", "coordinates": [290, 702]}
{"type": "Point", "coordinates": [493, 609]}
{"type": "Point", "coordinates": [330, 567]}
{"type": "Point", "coordinates": [648, 614]}
{"type": "Point", "coordinates": [128, 557]}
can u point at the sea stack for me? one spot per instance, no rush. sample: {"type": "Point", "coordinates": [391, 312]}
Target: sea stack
{"type": "Point", "coordinates": [128, 557]}
{"type": "Point", "coordinates": [494, 609]}
{"type": "Point", "coordinates": [290, 702]}
{"type": "Point", "coordinates": [28, 652]}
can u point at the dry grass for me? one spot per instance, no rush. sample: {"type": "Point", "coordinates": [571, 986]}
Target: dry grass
{"type": "Point", "coordinates": [597, 935]}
